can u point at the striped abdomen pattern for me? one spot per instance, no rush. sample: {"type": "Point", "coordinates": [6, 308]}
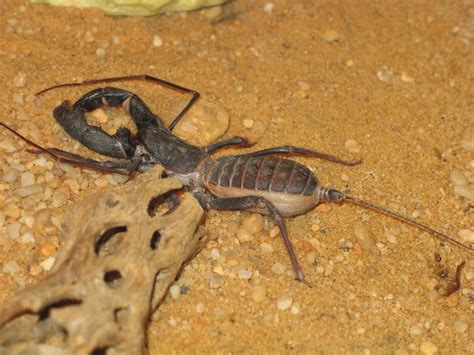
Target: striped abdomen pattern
{"type": "Point", "coordinates": [265, 173]}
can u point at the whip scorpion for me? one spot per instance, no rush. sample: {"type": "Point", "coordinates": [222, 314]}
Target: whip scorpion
{"type": "Point", "coordinates": [256, 181]}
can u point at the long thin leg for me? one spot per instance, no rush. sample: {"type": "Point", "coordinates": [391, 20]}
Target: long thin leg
{"type": "Point", "coordinates": [117, 167]}
{"type": "Point", "coordinates": [248, 202]}
{"type": "Point", "coordinates": [288, 149]}
{"type": "Point", "coordinates": [194, 94]}
{"type": "Point", "coordinates": [240, 141]}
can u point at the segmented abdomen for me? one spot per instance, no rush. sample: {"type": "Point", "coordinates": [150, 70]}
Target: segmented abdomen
{"type": "Point", "coordinates": [266, 173]}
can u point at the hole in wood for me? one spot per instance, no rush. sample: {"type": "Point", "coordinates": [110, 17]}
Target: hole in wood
{"type": "Point", "coordinates": [164, 204]}
{"type": "Point", "coordinates": [44, 312]}
{"type": "Point", "coordinates": [113, 278]}
{"type": "Point", "coordinates": [155, 240]}
{"type": "Point", "coordinates": [105, 244]}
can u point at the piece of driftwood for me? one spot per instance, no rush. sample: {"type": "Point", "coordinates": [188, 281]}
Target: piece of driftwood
{"type": "Point", "coordinates": [119, 257]}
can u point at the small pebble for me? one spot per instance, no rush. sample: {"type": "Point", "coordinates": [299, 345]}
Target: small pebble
{"type": "Point", "coordinates": [48, 263]}
{"type": "Point", "coordinates": [11, 267]}
{"type": "Point", "coordinates": [415, 330]}
{"type": "Point", "coordinates": [295, 309]}
{"type": "Point", "coordinates": [467, 235]}
{"type": "Point", "coordinates": [215, 281]}
{"type": "Point", "coordinates": [157, 41]}
{"type": "Point", "coordinates": [274, 232]}
{"type": "Point", "coordinates": [19, 80]}
{"type": "Point", "coordinates": [11, 210]}
{"type": "Point", "coordinates": [433, 295]}
{"type": "Point", "coordinates": [461, 325]}
{"type": "Point", "coordinates": [265, 247]}
{"type": "Point", "coordinates": [278, 268]}
{"type": "Point", "coordinates": [35, 270]}
{"type": "Point", "coordinates": [13, 230]}
{"type": "Point", "coordinates": [284, 303]}
{"type": "Point", "coordinates": [331, 36]}
{"type": "Point", "coordinates": [99, 116]}
{"type": "Point", "coordinates": [28, 190]}
{"type": "Point", "coordinates": [27, 238]}
{"type": "Point", "coordinates": [215, 254]}
{"type": "Point", "coordinates": [269, 6]}
{"type": "Point", "coordinates": [200, 307]}
{"type": "Point", "coordinates": [48, 249]}
{"type": "Point", "coordinates": [406, 78]}
{"type": "Point", "coordinates": [311, 257]}
{"type": "Point", "coordinates": [10, 175]}
{"type": "Point", "coordinates": [259, 293]}
{"type": "Point", "coordinates": [253, 223]}
{"type": "Point", "coordinates": [428, 348]}
{"type": "Point", "coordinates": [2, 219]}
{"type": "Point", "coordinates": [366, 238]}
{"type": "Point", "coordinates": [243, 235]}
{"type": "Point", "coordinates": [244, 274]}
{"type": "Point", "coordinates": [385, 74]}
{"type": "Point", "coordinates": [248, 123]}
{"type": "Point", "coordinates": [27, 178]}
{"type": "Point", "coordinates": [100, 52]}
{"type": "Point", "coordinates": [352, 146]}
{"type": "Point", "coordinates": [175, 291]}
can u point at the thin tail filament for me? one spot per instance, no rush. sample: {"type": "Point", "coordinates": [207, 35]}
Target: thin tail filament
{"type": "Point", "coordinates": [337, 196]}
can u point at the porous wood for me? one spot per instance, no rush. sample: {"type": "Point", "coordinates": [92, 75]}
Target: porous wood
{"type": "Point", "coordinates": [116, 263]}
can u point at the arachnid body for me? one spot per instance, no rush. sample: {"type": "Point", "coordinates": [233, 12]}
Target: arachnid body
{"type": "Point", "coordinates": [255, 181]}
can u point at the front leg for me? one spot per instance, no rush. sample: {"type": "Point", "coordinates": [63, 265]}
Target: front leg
{"type": "Point", "coordinates": [249, 202]}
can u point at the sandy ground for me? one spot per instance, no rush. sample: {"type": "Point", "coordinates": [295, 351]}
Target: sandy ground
{"type": "Point", "coordinates": [394, 76]}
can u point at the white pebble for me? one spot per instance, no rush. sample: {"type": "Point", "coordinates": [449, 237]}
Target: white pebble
{"type": "Point", "coordinates": [27, 238]}
{"type": "Point", "coordinates": [11, 267]}
{"type": "Point", "coordinates": [28, 190]}
{"type": "Point", "coordinates": [48, 263]}
{"type": "Point", "coordinates": [352, 146]}
{"type": "Point", "coordinates": [175, 291]}
{"type": "Point", "coordinates": [244, 274]}
{"type": "Point", "coordinates": [278, 268]}
{"type": "Point", "coordinates": [10, 175]}
{"type": "Point", "coordinates": [215, 254]}
{"type": "Point", "coordinates": [13, 230]}
{"type": "Point", "coordinates": [215, 281]}
{"type": "Point", "coordinates": [157, 41]}
{"type": "Point", "coordinates": [284, 303]}
{"type": "Point", "coordinates": [100, 52]}
{"type": "Point", "coordinates": [467, 235]}
{"type": "Point", "coordinates": [27, 178]}
{"type": "Point", "coordinates": [385, 74]}
{"type": "Point", "coordinates": [295, 309]}
{"type": "Point", "coordinates": [269, 6]}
